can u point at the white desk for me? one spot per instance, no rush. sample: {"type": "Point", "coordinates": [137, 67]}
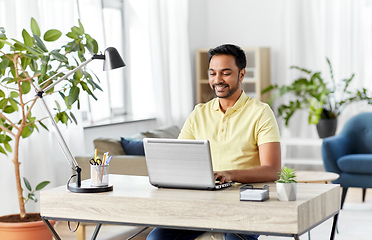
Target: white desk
{"type": "Point", "coordinates": [138, 203]}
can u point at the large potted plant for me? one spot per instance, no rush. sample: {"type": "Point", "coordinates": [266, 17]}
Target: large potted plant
{"type": "Point", "coordinates": [325, 100]}
{"type": "Point", "coordinates": [24, 66]}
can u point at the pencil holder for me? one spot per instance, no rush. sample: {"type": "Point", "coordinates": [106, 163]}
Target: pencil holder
{"type": "Point", "coordinates": [99, 175]}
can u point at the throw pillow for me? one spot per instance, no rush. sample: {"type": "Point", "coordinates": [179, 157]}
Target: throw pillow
{"type": "Point", "coordinates": [133, 146]}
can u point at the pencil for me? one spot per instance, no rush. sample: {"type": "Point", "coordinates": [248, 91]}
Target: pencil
{"type": "Point", "coordinates": [104, 159]}
{"type": "Point", "coordinates": [95, 155]}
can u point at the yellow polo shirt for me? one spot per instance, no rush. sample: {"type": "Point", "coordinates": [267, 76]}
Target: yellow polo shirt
{"type": "Point", "coordinates": [235, 135]}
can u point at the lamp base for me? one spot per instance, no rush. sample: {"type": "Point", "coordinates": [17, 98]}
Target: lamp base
{"type": "Point", "coordinates": [87, 188]}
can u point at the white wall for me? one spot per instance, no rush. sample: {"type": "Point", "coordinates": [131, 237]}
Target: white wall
{"type": "Point", "coordinates": [247, 23]}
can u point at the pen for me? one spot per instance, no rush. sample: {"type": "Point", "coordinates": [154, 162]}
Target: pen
{"type": "Point", "coordinates": [108, 160]}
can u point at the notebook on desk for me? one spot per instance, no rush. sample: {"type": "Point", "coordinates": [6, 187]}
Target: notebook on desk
{"type": "Point", "coordinates": [180, 163]}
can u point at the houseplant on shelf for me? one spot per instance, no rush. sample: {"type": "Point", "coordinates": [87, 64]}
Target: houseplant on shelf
{"type": "Point", "coordinates": [324, 100]}
{"type": "Point", "coordinates": [24, 67]}
{"type": "Point", "coordinates": [286, 185]}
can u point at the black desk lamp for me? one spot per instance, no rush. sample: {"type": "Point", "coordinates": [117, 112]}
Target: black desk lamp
{"type": "Point", "coordinates": [112, 60]}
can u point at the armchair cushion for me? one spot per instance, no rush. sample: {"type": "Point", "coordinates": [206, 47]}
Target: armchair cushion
{"type": "Point", "coordinates": [356, 163]}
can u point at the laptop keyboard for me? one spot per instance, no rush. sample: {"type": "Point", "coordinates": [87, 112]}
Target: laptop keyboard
{"type": "Point", "coordinates": [223, 185]}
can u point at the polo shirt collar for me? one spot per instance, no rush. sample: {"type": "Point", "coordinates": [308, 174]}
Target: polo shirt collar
{"type": "Point", "coordinates": [237, 106]}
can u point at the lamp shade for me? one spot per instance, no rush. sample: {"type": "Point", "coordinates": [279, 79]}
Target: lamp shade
{"type": "Point", "coordinates": [112, 59]}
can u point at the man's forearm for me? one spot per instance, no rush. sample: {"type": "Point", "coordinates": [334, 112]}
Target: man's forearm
{"type": "Point", "coordinates": [257, 174]}
{"type": "Point", "coordinates": [253, 175]}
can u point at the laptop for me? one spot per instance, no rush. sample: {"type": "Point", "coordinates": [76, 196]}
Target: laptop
{"type": "Point", "coordinates": [180, 163]}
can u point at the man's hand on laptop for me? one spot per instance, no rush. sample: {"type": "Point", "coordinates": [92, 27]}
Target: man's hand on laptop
{"type": "Point", "coordinates": [222, 177]}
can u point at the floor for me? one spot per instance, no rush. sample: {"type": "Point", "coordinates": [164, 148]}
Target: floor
{"type": "Point", "coordinates": [354, 223]}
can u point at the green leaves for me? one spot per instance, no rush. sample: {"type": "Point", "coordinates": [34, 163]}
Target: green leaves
{"type": "Point", "coordinates": [27, 38]}
{"type": "Point", "coordinates": [315, 110]}
{"type": "Point", "coordinates": [9, 105]}
{"type": "Point", "coordinates": [2, 37]}
{"type": "Point", "coordinates": [73, 95]}
{"type": "Point", "coordinates": [31, 194]}
{"type": "Point", "coordinates": [286, 175]}
{"type": "Point", "coordinates": [59, 57]}
{"type": "Point", "coordinates": [27, 131]}
{"type": "Point", "coordinates": [35, 27]}
{"type": "Point", "coordinates": [40, 43]}
{"type": "Point", "coordinates": [62, 116]}
{"type": "Point", "coordinates": [27, 184]}
{"type": "Point", "coordinates": [35, 59]}
{"type": "Point", "coordinates": [301, 69]}
{"type": "Point", "coordinates": [92, 44]}
{"type": "Point", "coordinates": [52, 35]}
{"type": "Point", "coordinates": [3, 65]}
{"type": "Point", "coordinates": [4, 140]}
{"type": "Point", "coordinates": [2, 33]}
{"type": "Point", "coordinates": [41, 185]}
{"type": "Point", "coordinates": [26, 87]}
{"type": "Point", "coordinates": [322, 99]}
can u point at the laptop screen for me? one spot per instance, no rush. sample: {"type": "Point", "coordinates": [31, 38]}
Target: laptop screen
{"type": "Point", "coordinates": [179, 163]}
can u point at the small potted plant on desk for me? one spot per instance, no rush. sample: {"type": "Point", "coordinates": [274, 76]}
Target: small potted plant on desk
{"type": "Point", "coordinates": [26, 65]}
{"type": "Point", "coordinates": [286, 185]}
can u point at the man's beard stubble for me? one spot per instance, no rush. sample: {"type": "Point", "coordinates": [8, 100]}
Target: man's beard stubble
{"type": "Point", "coordinates": [230, 91]}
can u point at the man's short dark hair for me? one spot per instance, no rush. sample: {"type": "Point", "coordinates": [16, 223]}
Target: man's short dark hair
{"type": "Point", "coordinates": [230, 49]}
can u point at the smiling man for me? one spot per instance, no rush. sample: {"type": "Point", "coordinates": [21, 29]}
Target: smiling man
{"type": "Point", "coordinates": [242, 131]}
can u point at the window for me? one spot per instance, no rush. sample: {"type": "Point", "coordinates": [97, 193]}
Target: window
{"type": "Point", "coordinates": [127, 92]}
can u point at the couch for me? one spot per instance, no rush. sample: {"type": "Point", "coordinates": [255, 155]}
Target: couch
{"type": "Point", "coordinates": [127, 159]}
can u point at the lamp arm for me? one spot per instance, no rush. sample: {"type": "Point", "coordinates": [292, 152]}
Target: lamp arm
{"type": "Point", "coordinates": [113, 61]}
{"type": "Point", "coordinates": [67, 75]}
{"type": "Point", "coordinates": [62, 143]}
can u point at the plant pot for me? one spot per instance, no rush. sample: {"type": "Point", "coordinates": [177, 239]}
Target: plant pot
{"type": "Point", "coordinates": [326, 127]}
{"type": "Point", "coordinates": [36, 230]}
{"type": "Point", "coordinates": [286, 191]}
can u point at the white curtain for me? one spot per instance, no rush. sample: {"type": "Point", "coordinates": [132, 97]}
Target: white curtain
{"type": "Point", "coordinates": [338, 29]}
{"type": "Point", "coordinates": [170, 60]}
{"type": "Point", "coordinates": [158, 59]}
{"type": "Point", "coordinates": [40, 155]}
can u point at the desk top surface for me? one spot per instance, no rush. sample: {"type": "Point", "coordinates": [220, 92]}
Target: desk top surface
{"type": "Point", "coordinates": [135, 201]}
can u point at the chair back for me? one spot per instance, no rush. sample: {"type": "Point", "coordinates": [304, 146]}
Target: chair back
{"type": "Point", "coordinates": [359, 130]}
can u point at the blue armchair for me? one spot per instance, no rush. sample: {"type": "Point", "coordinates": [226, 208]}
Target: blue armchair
{"type": "Point", "coordinates": [350, 154]}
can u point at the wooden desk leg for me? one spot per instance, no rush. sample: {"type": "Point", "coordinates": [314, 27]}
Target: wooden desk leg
{"type": "Point", "coordinates": [51, 228]}
{"type": "Point", "coordinates": [80, 232]}
{"type": "Point", "coordinates": [334, 227]}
